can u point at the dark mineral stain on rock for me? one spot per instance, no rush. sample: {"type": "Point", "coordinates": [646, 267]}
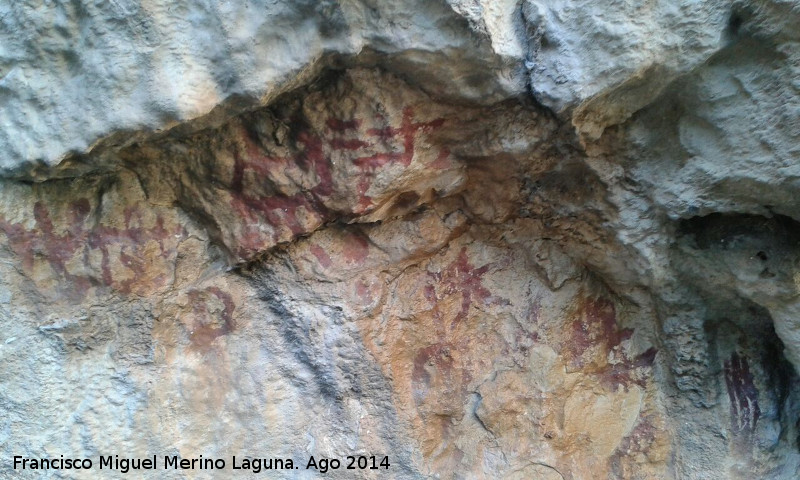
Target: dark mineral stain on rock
{"type": "Point", "coordinates": [743, 396]}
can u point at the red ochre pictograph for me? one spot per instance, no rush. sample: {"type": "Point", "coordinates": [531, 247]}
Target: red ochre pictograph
{"type": "Point", "coordinates": [370, 149]}
{"type": "Point", "coordinates": [67, 246]}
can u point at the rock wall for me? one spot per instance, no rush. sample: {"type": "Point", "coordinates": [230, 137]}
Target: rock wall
{"type": "Point", "coordinates": [515, 240]}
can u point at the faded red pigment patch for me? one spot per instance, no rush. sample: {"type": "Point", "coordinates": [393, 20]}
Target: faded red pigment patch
{"type": "Point", "coordinates": [363, 291]}
{"type": "Point", "coordinates": [339, 125]}
{"type": "Point", "coordinates": [594, 327]}
{"type": "Point", "coordinates": [278, 210]}
{"type": "Point", "coordinates": [438, 360]}
{"type": "Point", "coordinates": [356, 248]}
{"type": "Point", "coordinates": [132, 242]}
{"type": "Point", "coordinates": [743, 397]}
{"type": "Point", "coordinates": [394, 145]}
{"type": "Point", "coordinates": [629, 371]}
{"type": "Point", "coordinates": [365, 202]}
{"type": "Point", "coordinates": [450, 377]}
{"type": "Point", "coordinates": [406, 134]}
{"type": "Point", "coordinates": [350, 144]}
{"type": "Point", "coordinates": [430, 293]}
{"type": "Point", "coordinates": [322, 257]}
{"type": "Point", "coordinates": [403, 136]}
{"type": "Point", "coordinates": [641, 440]}
{"type": "Point", "coordinates": [462, 277]}
{"type": "Point", "coordinates": [595, 335]}
{"type": "Point", "coordinates": [212, 316]}
{"type": "Point", "coordinates": [443, 160]}
{"type": "Point", "coordinates": [78, 240]}
{"type": "Point", "coordinates": [525, 337]}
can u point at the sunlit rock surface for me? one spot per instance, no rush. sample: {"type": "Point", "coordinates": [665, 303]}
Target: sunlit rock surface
{"type": "Point", "coordinates": [515, 240]}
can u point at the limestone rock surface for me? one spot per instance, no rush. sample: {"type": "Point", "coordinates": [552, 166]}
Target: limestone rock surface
{"type": "Point", "coordinates": [486, 239]}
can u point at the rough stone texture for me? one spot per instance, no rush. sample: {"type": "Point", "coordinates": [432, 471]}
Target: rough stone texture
{"type": "Point", "coordinates": [513, 240]}
{"type": "Point", "coordinates": [75, 73]}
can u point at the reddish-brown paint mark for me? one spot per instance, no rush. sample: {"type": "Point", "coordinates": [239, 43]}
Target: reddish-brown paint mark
{"type": "Point", "coordinates": [282, 211]}
{"type": "Point", "coordinates": [442, 160]}
{"type": "Point", "coordinates": [348, 144]}
{"type": "Point", "coordinates": [442, 372]}
{"type": "Point", "coordinates": [369, 164]}
{"type": "Point", "coordinates": [364, 201]}
{"type": "Point", "coordinates": [322, 257]}
{"type": "Point", "coordinates": [79, 210]}
{"type": "Point", "coordinates": [338, 125]}
{"type": "Point", "coordinates": [57, 249]}
{"type": "Point", "coordinates": [627, 371]}
{"type": "Point", "coordinates": [375, 161]}
{"type": "Point", "coordinates": [313, 158]}
{"type": "Point", "coordinates": [208, 325]}
{"type": "Point", "coordinates": [595, 325]}
{"type": "Point", "coordinates": [407, 132]}
{"type": "Point", "coordinates": [440, 366]}
{"type": "Point", "coordinates": [430, 293]}
{"type": "Point", "coordinates": [356, 248]}
{"type": "Point", "coordinates": [641, 439]}
{"type": "Point", "coordinates": [595, 335]}
{"type": "Point", "coordinates": [277, 210]}
{"type": "Point", "coordinates": [742, 394]}
{"type": "Point", "coordinates": [363, 291]}
{"type": "Point", "coordinates": [464, 278]}
{"type": "Point", "coordinates": [642, 435]}
{"type": "Point", "coordinates": [525, 336]}
{"type": "Point", "coordinates": [438, 358]}
{"type": "Point", "coordinates": [131, 240]}
{"type": "Point", "coordinates": [78, 239]}
{"type": "Point", "coordinates": [534, 313]}
{"type": "Point", "coordinates": [383, 133]}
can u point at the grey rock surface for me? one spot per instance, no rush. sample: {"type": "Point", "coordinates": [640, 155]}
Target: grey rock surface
{"type": "Point", "coordinates": [77, 73]}
{"type": "Point", "coordinates": [488, 239]}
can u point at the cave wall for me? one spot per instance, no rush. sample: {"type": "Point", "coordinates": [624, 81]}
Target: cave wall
{"type": "Point", "coordinates": [487, 239]}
